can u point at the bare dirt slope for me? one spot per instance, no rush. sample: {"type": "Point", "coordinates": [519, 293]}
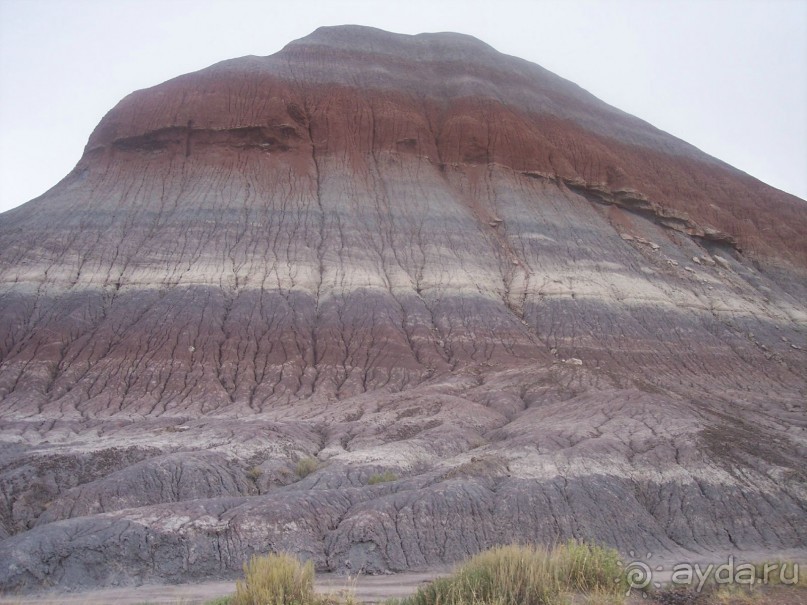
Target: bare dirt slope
{"type": "Point", "coordinates": [545, 318]}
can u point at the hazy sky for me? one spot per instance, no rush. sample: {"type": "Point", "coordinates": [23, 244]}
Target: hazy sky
{"type": "Point", "coordinates": [729, 76]}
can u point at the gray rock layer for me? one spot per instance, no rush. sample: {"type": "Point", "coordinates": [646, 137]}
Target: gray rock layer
{"type": "Point", "coordinates": [312, 303]}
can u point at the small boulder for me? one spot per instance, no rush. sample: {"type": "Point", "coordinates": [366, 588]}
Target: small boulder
{"type": "Point", "coordinates": [722, 262]}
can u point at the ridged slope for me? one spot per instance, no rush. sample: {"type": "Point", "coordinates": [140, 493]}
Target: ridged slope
{"type": "Point", "coordinates": [547, 317]}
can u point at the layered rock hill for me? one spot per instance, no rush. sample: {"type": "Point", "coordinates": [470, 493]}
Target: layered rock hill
{"type": "Point", "coordinates": [373, 253]}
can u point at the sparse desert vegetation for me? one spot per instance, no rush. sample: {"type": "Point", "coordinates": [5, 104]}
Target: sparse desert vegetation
{"type": "Point", "coordinates": [275, 579]}
{"type": "Point", "coordinates": [573, 573]}
{"type": "Point", "coordinates": [507, 575]}
{"type": "Point", "coordinates": [270, 285]}
{"type": "Point", "coordinates": [384, 477]}
{"type": "Point", "coordinates": [528, 575]}
{"type": "Point", "coordinates": [279, 579]}
{"type": "Point", "coordinates": [306, 466]}
{"type": "Point", "coordinates": [254, 473]}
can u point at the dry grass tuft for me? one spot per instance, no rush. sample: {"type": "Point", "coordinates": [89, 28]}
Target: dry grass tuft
{"type": "Point", "coordinates": [384, 477]}
{"type": "Point", "coordinates": [275, 580]}
{"type": "Point", "coordinates": [529, 575]}
{"type": "Point", "coordinates": [280, 579]}
{"type": "Point", "coordinates": [306, 466]}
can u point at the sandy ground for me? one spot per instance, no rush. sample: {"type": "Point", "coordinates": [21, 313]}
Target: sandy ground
{"type": "Point", "coordinates": [374, 589]}
{"type": "Point", "coordinates": [368, 589]}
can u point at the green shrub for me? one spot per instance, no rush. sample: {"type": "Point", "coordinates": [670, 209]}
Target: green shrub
{"type": "Point", "coordinates": [220, 601]}
{"type": "Point", "coordinates": [527, 575]}
{"type": "Point", "coordinates": [254, 473]}
{"type": "Point", "coordinates": [384, 477]}
{"type": "Point", "coordinates": [306, 466]}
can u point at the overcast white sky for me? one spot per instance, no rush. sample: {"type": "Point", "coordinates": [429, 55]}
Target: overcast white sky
{"type": "Point", "coordinates": [729, 76]}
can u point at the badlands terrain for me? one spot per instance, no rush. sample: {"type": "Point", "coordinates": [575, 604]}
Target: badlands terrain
{"type": "Point", "coordinates": [384, 301]}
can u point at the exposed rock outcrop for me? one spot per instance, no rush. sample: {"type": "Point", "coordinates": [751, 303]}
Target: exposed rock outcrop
{"type": "Point", "coordinates": [373, 252]}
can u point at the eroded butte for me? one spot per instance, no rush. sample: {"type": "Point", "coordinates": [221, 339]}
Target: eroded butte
{"type": "Point", "coordinates": [542, 316]}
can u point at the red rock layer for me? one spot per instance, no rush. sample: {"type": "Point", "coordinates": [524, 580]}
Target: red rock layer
{"type": "Point", "coordinates": [470, 107]}
{"type": "Point", "coordinates": [545, 318]}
